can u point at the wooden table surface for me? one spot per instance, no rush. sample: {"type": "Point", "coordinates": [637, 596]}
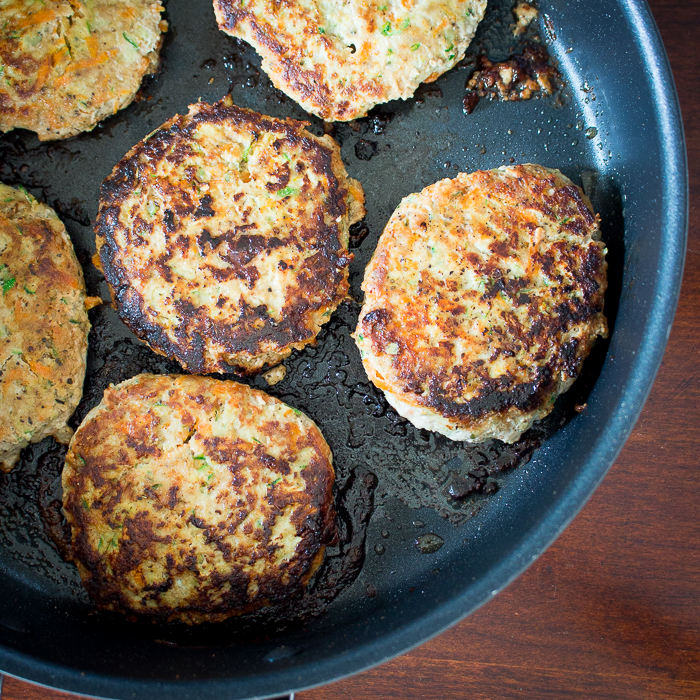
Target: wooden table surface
{"type": "Point", "coordinates": [612, 610]}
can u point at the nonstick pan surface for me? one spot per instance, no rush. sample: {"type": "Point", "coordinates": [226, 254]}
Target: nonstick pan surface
{"type": "Point", "coordinates": [615, 128]}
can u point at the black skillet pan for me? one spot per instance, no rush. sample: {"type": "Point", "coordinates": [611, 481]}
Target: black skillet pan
{"type": "Point", "coordinates": [412, 559]}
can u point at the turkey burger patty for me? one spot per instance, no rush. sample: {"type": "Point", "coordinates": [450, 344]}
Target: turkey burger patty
{"type": "Point", "coordinates": [195, 499]}
{"type": "Point", "coordinates": [43, 325]}
{"type": "Point", "coordinates": [482, 300]}
{"type": "Point", "coordinates": [69, 64]}
{"type": "Point", "coordinates": [224, 237]}
{"type": "Point", "coordinates": [338, 60]}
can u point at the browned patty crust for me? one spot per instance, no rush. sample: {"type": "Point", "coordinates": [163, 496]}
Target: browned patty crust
{"type": "Point", "coordinates": [195, 499]}
{"type": "Point", "coordinates": [224, 234]}
{"type": "Point", "coordinates": [483, 299]}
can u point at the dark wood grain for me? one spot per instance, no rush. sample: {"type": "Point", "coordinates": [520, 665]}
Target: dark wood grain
{"type": "Point", "coordinates": [612, 610]}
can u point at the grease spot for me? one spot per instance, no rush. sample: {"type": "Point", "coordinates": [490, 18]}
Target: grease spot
{"type": "Point", "coordinates": [429, 543]}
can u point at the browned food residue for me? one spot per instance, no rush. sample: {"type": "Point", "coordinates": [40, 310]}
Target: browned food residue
{"type": "Point", "coordinates": [525, 14]}
{"type": "Point", "coordinates": [520, 77]}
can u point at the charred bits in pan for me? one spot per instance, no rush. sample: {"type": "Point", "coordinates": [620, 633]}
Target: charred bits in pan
{"type": "Point", "coordinates": [529, 70]}
{"type": "Point", "coordinates": [520, 77]}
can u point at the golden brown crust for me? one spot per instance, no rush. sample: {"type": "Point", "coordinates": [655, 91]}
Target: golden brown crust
{"type": "Point", "coordinates": [196, 499]}
{"type": "Point", "coordinates": [337, 60]}
{"type": "Point", "coordinates": [483, 298]}
{"type": "Point", "coordinates": [224, 236]}
{"type": "Point", "coordinates": [43, 325]}
{"type": "Point", "coordinates": [67, 64]}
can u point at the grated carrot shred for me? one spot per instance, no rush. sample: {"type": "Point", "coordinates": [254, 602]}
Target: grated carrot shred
{"type": "Point", "coordinates": [43, 73]}
{"type": "Point", "coordinates": [93, 45]}
{"type": "Point", "coordinates": [37, 18]}
{"type": "Point", "coordinates": [86, 63]}
{"type": "Point", "coordinates": [42, 370]}
{"type": "Point", "coordinates": [60, 56]}
{"type": "Point", "coordinates": [16, 375]}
